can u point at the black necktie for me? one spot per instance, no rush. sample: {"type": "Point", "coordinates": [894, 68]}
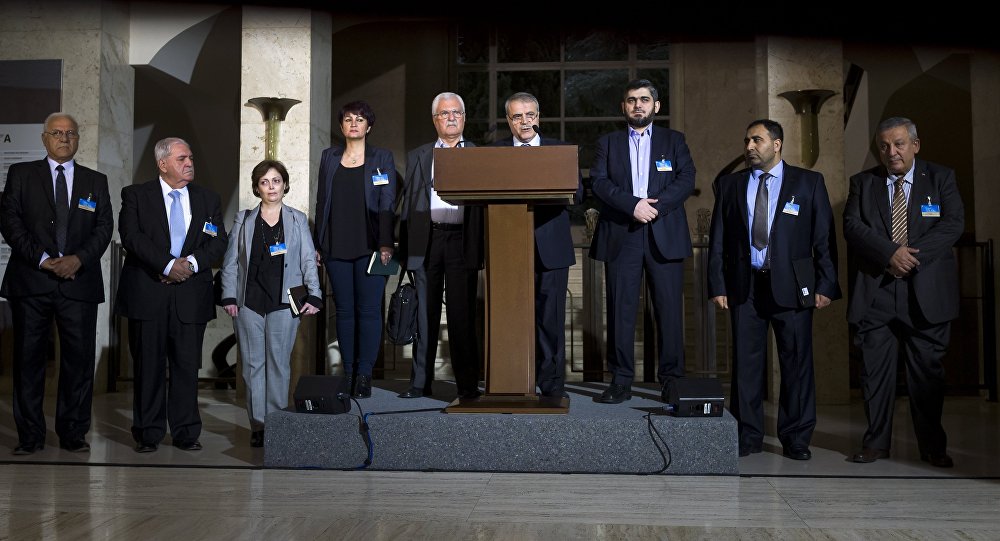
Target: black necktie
{"type": "Point", "coordinates": [760, 208]}
{"type": "Point", "coordinates": [525, 144]}
{"type": "Point", "coordinates": [62, 210]}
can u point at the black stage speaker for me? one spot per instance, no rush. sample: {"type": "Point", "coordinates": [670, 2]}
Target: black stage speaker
{"type": "Point", "coordinates": [696, 397]}
{"type": "Point", "coordinates": [322, 394]}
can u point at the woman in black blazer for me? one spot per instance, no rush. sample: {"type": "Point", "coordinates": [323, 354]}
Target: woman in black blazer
{"type": "Point", "coordinates": [355, 195]}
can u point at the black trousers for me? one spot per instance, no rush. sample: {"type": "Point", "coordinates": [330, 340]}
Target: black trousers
{"type": "Point", "coordinates": [550, 329]}
{"type": "Point", "coordinates": [76, 322]}
{"type": "Point", "coordinates": [893, 318]}
{"type": "Point", "coordinates": [797, 390]}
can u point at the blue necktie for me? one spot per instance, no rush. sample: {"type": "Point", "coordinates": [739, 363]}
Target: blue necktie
{"type": "Point", "coordinates": [176, 224]}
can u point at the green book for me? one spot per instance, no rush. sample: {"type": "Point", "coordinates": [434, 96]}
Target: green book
{"type": "Point", "coordinates": [375, 265]}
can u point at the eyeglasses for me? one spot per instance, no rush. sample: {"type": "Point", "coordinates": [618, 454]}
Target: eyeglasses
{"type": "Point", "coordinates": [59, 134]}
{"type": "Point", "coordinates": [448, 114]}
{"type": "Point", "coordinates": [530, 117]}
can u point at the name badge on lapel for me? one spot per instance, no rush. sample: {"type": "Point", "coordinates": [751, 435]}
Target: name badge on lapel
{"type": "Point", "coordinates": [210, 229]}
{"type": "Point", "coordinates": [791, 208]}
{"type": "Point", "coordinates": [664, 165]}
{"type": "Point", "coordinates": [87, 204]}
{"type": "Point", "coordinates": [278, 248]}
{"type": "Point", "coordinates": [929, 210]}
{"type": "Point", "coordinates": [380, 178]}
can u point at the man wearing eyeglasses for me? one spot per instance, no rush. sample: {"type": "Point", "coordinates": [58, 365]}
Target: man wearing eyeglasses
{"type": "Point", "coordinates": [642, 175]}
{"type": "Point", "coordinates": [56, 216]}
{"type": "Point", "coordinates": [554, 254]}
{"type": "Point", "coordinates": [443, 246]}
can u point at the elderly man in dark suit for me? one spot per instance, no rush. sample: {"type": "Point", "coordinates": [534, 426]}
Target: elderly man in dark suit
{"type": "Point", "coordinates": [642, 176]}
{"type": "Point", "coordinates": [443, 245]}
{"type": "Point", "coordinates": [901, 221]}
{"type": "Point", "coordinates": [772, 259]}
{"type": "Point", "coordinates": [56, 216]}
{"type": "Point", "coordinates": [554, 254]}
{"type": "Point", "coordinates": [173, 232]}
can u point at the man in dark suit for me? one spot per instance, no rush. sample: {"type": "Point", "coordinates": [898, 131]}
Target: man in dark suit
{"type": "Point", "coordinates": [642, 177]}
{"type": "Point", "coordinates": [173, 232]}
{"type": "Point", "coordinates": [443, 245]}
{"type": "Point", "coordinates": [901, 221]}
{"type": "Point", "coordinates": [554, 255]}
{"type": "Point", "coordinates": [56, 216]}
{"type": "Point", "coordinates": [772, 259]}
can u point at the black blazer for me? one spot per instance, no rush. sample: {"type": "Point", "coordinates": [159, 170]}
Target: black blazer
{"type": "Point", "coordinates": [28, 223]}
{"type": "Point", "coordinates": [145, 234]}
{"type": "Point", "coordinates": [553, 240]}
{"type": "Point", "coordinates": [415, 229]}
{"type": "Point", "coordinates": [378, 199]}
{"type": "Point", "coordinates": [802, 249]}
{"type": "Point", "coordinates": [612, 177]}
{"type": "Point", "coordinates": [868, 231]}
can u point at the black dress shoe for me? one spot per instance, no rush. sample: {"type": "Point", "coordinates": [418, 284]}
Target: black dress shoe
{"type": "Point", "coordinates": [75, 446]}
{"type": "Point", "coordinates": [469, 395]}
{"type": "Point", "coordinates": [23, 449]}
{"type": "Point", "coordinates": [364, 387]}
{"type": "Point", "coordinates": [412, 393]}
{"type": "Point", "coordinates": [257, 438]}
{"type": "Point", "coordinates": [428, 390]}
{"type": "Point", "coordinates": [797, 452]}
{"type": "Point", "coordinates": [869, 454]}
{"type": "Point", "coordinates": [747, 450]}
{"type": "Point", "coordinates": [616, 394]}
{"type": "Point", "coordinates": [194, 445]}
{"type": "Point", "coordinates": [938, 460]}
{"type": "Point", "coordinates": [558, 393]}
{"type": "Point", "coordinates": [143, 447]}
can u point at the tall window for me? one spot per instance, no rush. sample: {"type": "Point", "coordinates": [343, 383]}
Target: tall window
{"type": "Point", "coordinates": [578, 76]}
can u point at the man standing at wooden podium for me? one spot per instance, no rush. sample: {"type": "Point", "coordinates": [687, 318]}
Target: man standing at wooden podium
{"type": "Point", "coordinates": [554, 254]}
{"type": "Point", "coordinates": [443, 244]}
{"type": "Point", "coordinates": [642, 176]}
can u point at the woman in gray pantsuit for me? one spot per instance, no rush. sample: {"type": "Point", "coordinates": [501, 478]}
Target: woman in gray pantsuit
{"type": "Point", "coordinates": [270, 250]}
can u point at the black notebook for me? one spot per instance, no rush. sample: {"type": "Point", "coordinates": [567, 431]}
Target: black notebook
{"type": "Point", "coordinates": [297, 297]}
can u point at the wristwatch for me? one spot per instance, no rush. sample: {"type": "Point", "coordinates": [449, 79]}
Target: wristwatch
{"type": "Point", "coordinates": [191, 266]}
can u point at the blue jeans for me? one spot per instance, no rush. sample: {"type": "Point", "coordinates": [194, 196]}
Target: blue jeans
{"type": "Point", "coordinates": [357, 297]}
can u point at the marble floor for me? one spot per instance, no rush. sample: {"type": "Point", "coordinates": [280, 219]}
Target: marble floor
{"type": "Point", "coordinates": [222, 492]}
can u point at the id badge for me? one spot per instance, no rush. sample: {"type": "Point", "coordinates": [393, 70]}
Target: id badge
{"type": "Point", "coordinates": [791, 208]}
{"type": "Point", "coordinates": [277, 249]}
{"type": "Point", "coordinates": [210, 229]}
{"type": "Point", "coordinates": [664, 165]}
{"type": "Point", "coordinates": [930, 211]}
{"type": "Point", "coordinates": [380, 178]}
{"type": "Point", "coordinates": [87, 205]}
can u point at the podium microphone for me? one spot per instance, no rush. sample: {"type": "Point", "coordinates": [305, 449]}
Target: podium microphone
{"type": "Point", "coordinates": [536, 128]}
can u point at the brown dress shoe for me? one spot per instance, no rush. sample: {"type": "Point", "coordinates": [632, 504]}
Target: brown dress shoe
{"type": "Point", "coordinates": [938, 460]}
{"type": "Point", "coordinates": [868, 454]}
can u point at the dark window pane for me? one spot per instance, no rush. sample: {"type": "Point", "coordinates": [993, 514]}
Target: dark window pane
{"type": "Point", "coordinates": [660, 78]}
{"type": "Point", "coordinates": [473, 44]}
{"type": "Point", "coordinates": [595, 92]}
{"type": "Point", "coordinates": [582, 46]}
{"type": "Point", "coordinates": [544, 85]}
{"type": "Point", "coordinates": [474, 87]}
{"type": "Point", "coordinates": [653, 49]}
{"type": "Point", "coordinates": [521, 45]}
{"type": "Point", "coordinates": [585, 135]}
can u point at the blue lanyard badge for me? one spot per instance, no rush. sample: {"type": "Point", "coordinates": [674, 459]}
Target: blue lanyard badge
{"type": "Point", "coordinates": [277, 248]}
{"type": "Point", "coordinates": [87, 204]}
{"type": "Point", "coordinates": [210, 229]}
{"type": "Point", "coordinates": [929, 210]}
{"type": "Point", "coordinates": [664, 165]}
{"type": "Point", "coordinates": [791, 208]}
{"type": "Point", "coordinates": [380, 178]}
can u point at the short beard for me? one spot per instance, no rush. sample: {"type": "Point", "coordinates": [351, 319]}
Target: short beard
{"type": "Point", "coordinates": [640, 123]}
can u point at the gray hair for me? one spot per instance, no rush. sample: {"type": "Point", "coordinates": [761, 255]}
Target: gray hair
{"type": "Point", "coordinates": [520, 96]}
{"type": "Point", "coordinates": [49, 119]}
{"type": "Point", "coordinates": [446, 96]}
{"type": "Point", "coordinates": [895, 122]}
{"type": "Point", "coordinates": [162, 148]}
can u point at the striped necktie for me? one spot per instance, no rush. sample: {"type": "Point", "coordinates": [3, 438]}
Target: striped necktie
{"type": "Point", "coordinates": [899, 213]}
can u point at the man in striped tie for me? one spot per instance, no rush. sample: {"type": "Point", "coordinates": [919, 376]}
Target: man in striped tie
{"type": "Point", "coordinates": [900, 222]}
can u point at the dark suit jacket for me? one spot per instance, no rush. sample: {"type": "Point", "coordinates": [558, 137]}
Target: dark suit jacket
{"type": "Point", "coordinates": [145, 234]}
{"type": "Point", "coordinates": [802, 249]}
{"type": "Point", "coordinates": [378, 199]}
{"type": "Point", "coordinates": [28, 223]}
{"type": "Point", "coordinates": [416, 214]}
{"type": "Point", "coordinates": [612, 177]}
{"type": "Point", "coordinates": [868, 230]}
{"type": "Point", "coordinates": [553, 241]}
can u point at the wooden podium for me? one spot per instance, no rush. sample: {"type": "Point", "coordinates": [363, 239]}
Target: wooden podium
{"type": "Point", "coordinates": [509, 181]}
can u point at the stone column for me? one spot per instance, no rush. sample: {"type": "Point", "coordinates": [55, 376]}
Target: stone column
{"type": "Point", "coordinates": [91, 38]}
{"type": "Point", "coordinates": [785, 64]}
{"type": "Point", "coordinates": [286, 53]}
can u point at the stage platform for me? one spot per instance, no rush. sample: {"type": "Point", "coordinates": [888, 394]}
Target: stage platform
{"type": "Point", "coordinates": [635, 437]}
